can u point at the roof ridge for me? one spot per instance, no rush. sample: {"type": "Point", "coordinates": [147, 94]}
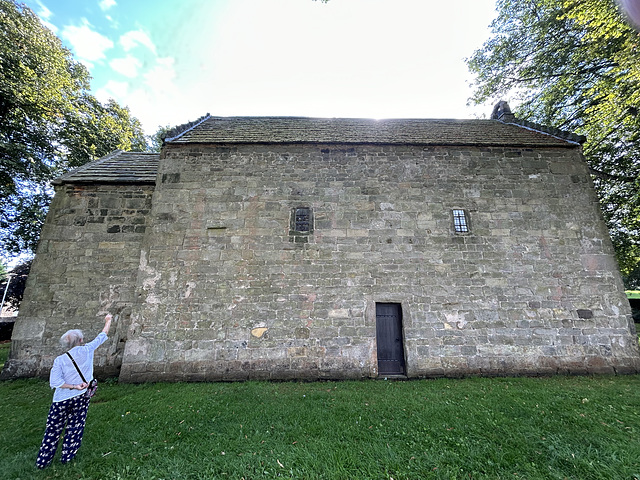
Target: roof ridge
{"type": "Point", "coordinates": [502, 113]}
{"type": "Point", "coordinates": [553, 131]}
{"type": "Point", "coordinates": [180, 130]}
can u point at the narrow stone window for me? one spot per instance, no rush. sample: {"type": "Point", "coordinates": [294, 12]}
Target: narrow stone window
{"type": "Point", "coordinates": [302, 220]}
{"type": "Point", "coordinates": [460, 221]}
{"type": "Point", "coordinates": [301, 224]}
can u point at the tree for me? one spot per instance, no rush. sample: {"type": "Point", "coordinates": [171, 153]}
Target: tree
{"type": "Point", "coordinates": [49, 123]}
{"type": "Point", "coordinates": [155, 140]}
{"type": "Point", "coordinates": [575, 65]}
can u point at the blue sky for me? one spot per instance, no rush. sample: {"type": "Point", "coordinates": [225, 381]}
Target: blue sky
{"type": "Point", "coordinates": [172, 61]}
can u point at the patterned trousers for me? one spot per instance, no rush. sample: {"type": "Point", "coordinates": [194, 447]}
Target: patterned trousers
{"type": "Point", "coordinates": [73, 414]}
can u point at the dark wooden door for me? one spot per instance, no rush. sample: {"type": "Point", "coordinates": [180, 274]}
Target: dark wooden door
{"type": "Point", "coordinates": [389, 339]}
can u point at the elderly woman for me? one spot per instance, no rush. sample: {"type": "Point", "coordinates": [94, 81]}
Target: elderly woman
{"type": "Point", "coordinates": [69, 406]}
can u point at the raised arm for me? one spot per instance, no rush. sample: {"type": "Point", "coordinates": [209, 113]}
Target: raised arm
{"type": "Point", "coordinates": [107, 323]}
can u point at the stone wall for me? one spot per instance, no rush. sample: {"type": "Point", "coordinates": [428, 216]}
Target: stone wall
{"type": "Point", "coordinates": [227, 292]}
{"type": "Point", "coordinates": [86, 265]}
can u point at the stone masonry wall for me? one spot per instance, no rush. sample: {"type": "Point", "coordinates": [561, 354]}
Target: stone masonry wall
{"type": "Point", "coordinates": [86, 265]}
{"type": "Point", "coordinates": [228, 293]}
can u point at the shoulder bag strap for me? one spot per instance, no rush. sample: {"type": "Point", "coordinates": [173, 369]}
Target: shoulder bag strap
{"type": "Point", "coordinates": [76, 365]}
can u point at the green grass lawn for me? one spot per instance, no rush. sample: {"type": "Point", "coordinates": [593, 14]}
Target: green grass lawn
{"type": "Point", "coordinates": [483, 428]}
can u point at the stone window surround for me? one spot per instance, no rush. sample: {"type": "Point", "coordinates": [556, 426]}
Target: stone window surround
{"type": "Point", "coordinates": [301, 236]}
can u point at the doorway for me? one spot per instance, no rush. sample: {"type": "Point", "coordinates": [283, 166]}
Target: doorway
{"type": "Point", "coordinates": [389, 339]}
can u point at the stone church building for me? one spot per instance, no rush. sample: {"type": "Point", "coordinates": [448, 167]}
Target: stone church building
{"type": "Point", "coordinates": [316, 248]}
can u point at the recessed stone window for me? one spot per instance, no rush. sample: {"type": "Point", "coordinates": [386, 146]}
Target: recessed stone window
{"type": "Point", "coordinates": [460, 221]}
{"type": "Point", "coordinates": [301, 225]}
{"type": "Point", "coordinates": [302, 220]}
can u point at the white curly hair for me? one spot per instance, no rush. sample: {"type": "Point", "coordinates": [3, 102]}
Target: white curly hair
{"type": "Point", "coordinates": [71, 338]}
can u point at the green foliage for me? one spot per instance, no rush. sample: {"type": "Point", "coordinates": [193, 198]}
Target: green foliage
{"type": "Point", "coordinates": [534, 428]}
{"type": "Point", "coordinates": [575, 65]}
{"type": "Point", "coordinates": [97, 129]}
{"type": "Point", "coordinates": [156, 140]}
{"type": "Point", "coordinates": [49, 123]}
{"type": "Point", "coordinates": [629, 261]}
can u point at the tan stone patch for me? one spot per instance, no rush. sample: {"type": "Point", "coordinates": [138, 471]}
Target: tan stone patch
{"type": "Point", "coordinates": [258, 332]}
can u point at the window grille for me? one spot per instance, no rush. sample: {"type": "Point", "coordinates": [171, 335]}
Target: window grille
{"type": "Point", "coordinates": [302, 222]}
{"type": "Point", "coordinates": [460, 221]}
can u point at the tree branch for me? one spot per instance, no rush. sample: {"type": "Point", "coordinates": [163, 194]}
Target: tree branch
{"type": "Point", "coordinates": [609, 176]}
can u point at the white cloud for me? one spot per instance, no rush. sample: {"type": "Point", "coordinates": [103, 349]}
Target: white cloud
{"type": "Point", "coordinates": [113, 89]}
{"type": "Point", "coordinates": [127, 66]}
{"type": "Point", "coordinates": [134, 38]}
{"type": "Point", "coordinates": [50, 26]}
{"type": "Point", "coordinates": [107, 4]}
{"type": "Point", "coordinates": [88, 45]}
{"type": "Point", "coordinates": [150, 78]}
{"type": "Point", "coordinates": [143, 95]}
{"type": "Point", "coordinates": [44, 13]}
{"type": "Point", "coordinates": [161, 78]}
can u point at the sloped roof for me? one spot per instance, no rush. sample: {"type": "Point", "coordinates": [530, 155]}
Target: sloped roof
{"type": "Point", "coordinates": [221, 130]}
{"type": "Point", "coordinates": [121, 167]}
{"type": "Point", "coordinates": [117, 167]}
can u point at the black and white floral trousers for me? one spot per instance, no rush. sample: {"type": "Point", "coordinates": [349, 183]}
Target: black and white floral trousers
{"type": "Point", "coordinates": [71, 413]}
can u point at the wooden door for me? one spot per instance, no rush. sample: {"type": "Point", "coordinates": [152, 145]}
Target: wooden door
{"type": "Point", "coordinates": [389, 339]}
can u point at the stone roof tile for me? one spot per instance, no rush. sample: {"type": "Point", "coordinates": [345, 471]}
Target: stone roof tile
{"type": "Point", "coordinates": [221, 130]}
{"type": "Point", "coordinates": [118, 167]}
